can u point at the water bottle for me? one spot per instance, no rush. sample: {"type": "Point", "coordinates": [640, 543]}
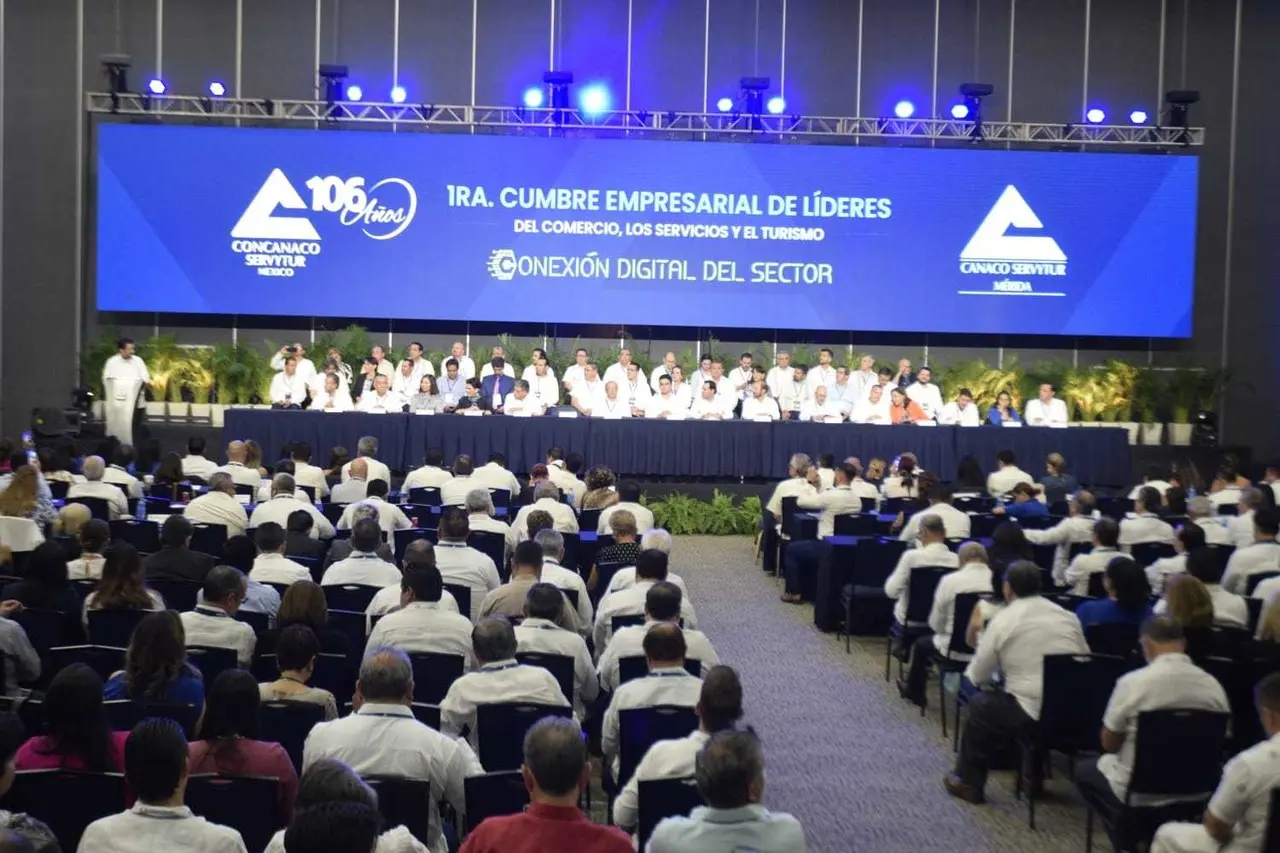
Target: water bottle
{"type": "Point", "coordinates": [1191, 492]}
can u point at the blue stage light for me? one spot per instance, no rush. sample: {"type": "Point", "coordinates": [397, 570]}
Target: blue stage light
{"type": "Point", "coordinates": [1138, 117]}
{"type": "Point", "coordinates": [398, 94]}
{"type": "Point", "coordinates": [960, 111]}
{"type": "Point", "coordinates": [1095, 116]}
{"type": "Point", "coordinates": [217, 89]}
{"type": "Point", "coordinates": [724, 104]}
{"type": "Point", "coordinates": [594, 100]}
{"type": "Point", "coordinates": [904, 109]}
{"type": "Point", "coordinates": [156, 86]}
{"type": "Point", "coordinates": [354, 93]}
{"type": "Point", "coordinates": [776, 105]}
{"type": "Point", "coordinates": [533, 97]}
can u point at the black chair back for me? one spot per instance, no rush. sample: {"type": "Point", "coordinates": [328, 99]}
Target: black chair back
{"type": "Point", "coordinates": [402, 802]}
{"type": "Point", "coordinates": [1271, 840]}
{"type": "Point", "coordinates": [428, 497]}
{"type": "Point", "coordinates": [104, 660]}
{"type": "Point", "coordinates": [663, 798]}
{"type": "Point", "coordinates": [1146, 553]}
{"type": "Point", "coordinates": [1252, 581]}
{"type": "Point", "coordinates": [1078, 548]}
{"type": "Point", "coordinates": [1075, 692]}
{"type": "Point", "coordinates": [500, 497]}
{"type": "Point", "coordinates": [113, 627]}
{"type": "Point", "coordinates": [617, 623]}
{"type": "Point", "coordinates": [46, 628]}
{"type": "Point", "coordinates": [641, 728]}
{"type": "Point", "coordinates": [124, 714]}
{"type": "Point", "coordinates": [1096, 587]}
{"type": "Point", "coordinates": [856, 525]}
{"type": "Point", "coordinates": [493, 795]}
{"type": "Point", "coordinates": [433, 675]}
{"type": "Point", "coordinates": [288, 723]}
{"type": "Point", "coordinates": [604, 577]}
{"type": "Point", "coordinates": [560, 667]}
{"type": "Point", "coordinates": [632, 667]}
{"type": "Point", "coordinates": [333, 512]}
{"type": "Point", "coordinates": [1217, 641]}
{"type": "Point", "coordinates": [964, 604]}
{"type": "Point", "coordinates": [589, 519]}
{"type": "Point", "coordinates": [501, 727]}
{"type": "Point", "coordinates": [1044, 555]}
{"type": "Point", "coordinates": [1238, 677]}
{"type": "Point", "coordinates": [58, 489]}
{"type": "Point", "coordinates": [922, 585]}
{"type": "Point", "coordinates": [573, 558]}
{"type": "Point", "coordinates": [403, 538]}
{"type": "Point", "coordinates": [1193, 769]}
{"type": "Point", "coordinates": [66, 800]}
{"type": "Point", "coordinates": [349, 596]}
{"type": "Point", "coordinates": [259, 622]}
{"type": "Point", "coordinates": [1255, 613]}
{"type": "Point", "coordinates": [140, 533]}
{"type": "Point", "coordinates": [789, 517]}
{"type": "Point", "coordinates": [209, 539]}
{"type": "Point", "coordinates": [462, 595]}
{"type": "Point", "coordinates": [1118, 639]}
{"type": "Point", "coordinates": [178, 595]}
{"type": "Point", "coordinates": [211, 661]}
{"type": "Point", "coordinates": [249, 803]}
{"type": "Point", "coordinates": [893, 506]}
{"type": "Point", "coordinates": [98, 507]}
{"type": "Point", "coordinates": [492, 545]}
{"type": "Point", "coordinates": [351, 624]}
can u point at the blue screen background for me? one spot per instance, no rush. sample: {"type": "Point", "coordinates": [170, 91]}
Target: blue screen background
{"type": "Point", "coordinates": [168, 198]}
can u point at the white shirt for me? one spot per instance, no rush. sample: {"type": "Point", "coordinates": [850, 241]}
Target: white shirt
{"type": "Point", "coordinates": [636, 393]}
{"type": "Point", "coordinates": [493, 683]}
{"type": "Point", "coordinates": [562, 578]}
{"type": "Point", "coordinates": [1144, 528]}
{"type": "Point", "coordinates": [644, 517]}
{"type": "Point", "coordinates": [614, 409]}
{"type": "Point", "coordinates": [378, 470]}
{"type": "Point", "coordinates": [586, 394]}
{"type": "Point", "coordinates": [145, 829]}
{"type": "Point", "coordinates": [630, 602]}
{"type": "Point", "coordinates": [717, 408]}
{"type": "Point", "coordinates": [863, 383]}
{"type": "Point", "coordinates": [405, 386]}
{"type": "Point", "coordinates": [625, 578]}
{"type": "Point", "coordinates": [562, 518]}
{"type": "Point", "coordinates": [792, 487]}
{"type": "Point", "coordinates": [843, 397]}
{"type": "Point", "coordinates": [390, 517]}
{"type": "Point", "coordinates": [1159, 485]}
{"type": "Point", "coordinates": [386, 740]}
{"type": "Point", "coordinates": [819, 376]}
{"type": "Point", "coordinates": [1215, 533]}
{"type": "Point", "coordinates": [971, 577]}
{"type": "Point", "coordinates": [304, 366]}
{"type": "Point", "coordinates": [543, 388]}
{"type": "Point", "coordinates": [1159, 572]}
{"type": "Point", "coordinates": [567, 483]}
{"type": "Point", "coordinates": [465, 566]}
{"type": "Point", "coordinates": [361, 568]}
{"type": "Point", "coordinates": [208, 625]}
{"type": "Point", "coordinates": [452, 390]}
{"type": "Point", "coordinates": [425, 626]}
{"type": "Point", "coordinates": [793, 396]}
{"type": "Point", "coordinates": [116, 504]}
{"type": "Point", "coordinates": [198, 466]}
{"type": "Point", "coordinates": [1002, 481]}
{"type": "Point", "coordinates": [1251, 560]}
{"type": "Point", "coordinates": [494, 476]}
{"type": "Point", "coordinates": [466, 367]}
{"type": "Point", "coordinates": [124, 369]}
{"type": "Point", "coordinates": [529, 407]}
{"type": "Point", "coordinates": [899, 583]}
{"type": "Point", "coordinates": [674, 406]}
{"type": "Point", "coordinates": [574, 374]}
{"type": "Point", "coordinates": [129, 484]}
{"type": "Point", "coordinates": [306, 474]}
{"type": "Point", "coordinates": [288, 389]}
{"type": "Point", "coordinates": [388, 599]}
{"type": "Point", "coordinates": [657, 373]}
{"type": "Point", "coordinates": [839, 500]}
{"type": "Point", "coordinates": [240, 474]}
{"type": "Point", "coordinates": [372, 401]}
{"type": "Point", "coordinates": [218, 508]}
{"type": "Point", "coordinates": [740, 379]}
{"type": "Point", "coordinates": [397, 840]}
{"type": "Point", "coordinates": [828, 412]}
{"type": "Point", "coordinates": [1064, 534]}
{"type": "Point", "coordinates": [954, 521]}
{"type": "Point", "coordinates": [928, 396]}
{"type": "Point", "coordinates": [661, 687]}
{"type": "Point", "coordinates": [629, 642]}
{"type": "Point", "coordinates": [507, 370]}
{"type": "Point", "coordinates": [545, 637]}
{"type": "Point", "coordinates": [1168, 681]}
{"type": "Point", "coordinates": [867, 412]}
{"type": "Point", "coordinates": [272, 567]}
{"type": "Point", "coordinates": [1015, 643]}
{"type": "Point", "coordinates": [88, 567]}
{"type": "Point", "coordinates": [780, 380]}
{"type": "Point", "coordinates": [426, 477]}
{"type": "Point", "coordinates": [666, 759]}
{"type": "Point", "coordinates": [340, 401]}
{"type": "Point", "coordinates": [1040, 413]}
{"type": "Point", "coordinates": [1229, 609]}
{"type": "Point", "coordinates": [1077, 573]}
{"type": "Point", "coordinates": [952, 414]}
{"type": "Point", "coordinates": [616, 372]}
{"type": "Point", "coordinates": [1240, 527]}
{"type": "Point", "coordinates": [280, 507]}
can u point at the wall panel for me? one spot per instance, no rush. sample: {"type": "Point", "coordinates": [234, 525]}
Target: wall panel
{"type": "Point", "coordinates": [668, 40]}
{"type": "Point", "coordinates": [513, 48]}
{"type": "Point", "coordinates": [435, 51]}
{"type": "Point", "coordinates": [279, 45]}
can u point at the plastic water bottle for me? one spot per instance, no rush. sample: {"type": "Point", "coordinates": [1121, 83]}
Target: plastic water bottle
{"type": "Point", "coordinates": [1191, 492]}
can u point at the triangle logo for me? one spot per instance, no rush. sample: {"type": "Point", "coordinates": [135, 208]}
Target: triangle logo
{"type": "Point", "coordinates": [259, 222]}
{"type": "Point", "coordinates": [992, 242]}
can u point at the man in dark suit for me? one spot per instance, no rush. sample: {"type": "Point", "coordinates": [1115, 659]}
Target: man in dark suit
{"type": "Point", "coordinates": [175, 561]}
{"type": "Point", "coordinates": [496, 386]}
{"type": "Point", "coordinates": [298, 540]}
{"type": "Point", "coordinates": [340, 549]}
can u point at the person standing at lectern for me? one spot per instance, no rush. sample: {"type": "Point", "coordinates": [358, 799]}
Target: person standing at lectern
{"type": "Point", "coordinates": [124, 379]}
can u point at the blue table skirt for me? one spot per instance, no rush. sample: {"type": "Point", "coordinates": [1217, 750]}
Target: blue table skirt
{"type": "Point", "coordinates": [645, 448]}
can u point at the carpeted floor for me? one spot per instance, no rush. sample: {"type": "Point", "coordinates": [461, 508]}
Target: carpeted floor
{"type": "Point", "coordinates": [858, 766]}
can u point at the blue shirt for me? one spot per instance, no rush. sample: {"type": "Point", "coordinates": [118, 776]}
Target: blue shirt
{"type": "Point", "coordinates": [1026, 509]}
{"type": "Point", "coordinates": [1103, 610]}
{"type": "Point", "coordinates": [752, 828]}
{"type": "Point", "coordinates": [186, 689]}
{"type": "Point", "coordinates": [993, 416]}
{"type": "Point", "coordinates": [260, 598]}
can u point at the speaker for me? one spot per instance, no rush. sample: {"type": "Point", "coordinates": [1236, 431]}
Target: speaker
{"type": "Point", "coordinates": [49, 422]}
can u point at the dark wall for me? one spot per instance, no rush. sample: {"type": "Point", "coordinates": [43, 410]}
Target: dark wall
{"type": "Point", "coordinates": [1047, 58]}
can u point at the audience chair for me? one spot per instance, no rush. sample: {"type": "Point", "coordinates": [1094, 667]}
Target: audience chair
{"type": "Point", "coordinates": [427, 497]}
{"type": "Point", "coordinates": [501, 727]}
{"type": "Point", "coordinates": [663, 798]}
{"type": "Point", "coordinates": [288, 723]}
{"type": "Point", "coordinates": [98, 507]}
{"type": "Point", "coordinates": [1044, 555]}
{"type": "Point", "coordinates": [349, 596]}
{"type": "Point", "coordinates": [315, 565]}
{"type": "Point", "coordinates": [113, 627]}
{"type": "Point", "coordinates": [493, 795]}
{"type": "Point", "coordinates": [251, 804]}
{"type": "Point", "coordinates": [1188, 774]}
{"type": "Point", "coordinates": [573, 551]}
{"type": "Point", "coordinates": [501, 498]}
{"type": "Point", "coordinates": [1238, 677]}
{"type": "Point", "coordinates": [83, 587]}
{"type": "Point", "coordinates": [67, 800]}
{"type": "Point", "coordinates": [1096, 587]}
{"type": "Point", "coordinates": [632, 667]}
{"type": "Point", "coordinates": [58, 490]}
{"type": "Point", "coordinates": [589, 519]}
{"type": "Point", "coordinates": [604, 577]}
{"type": "Point", "coordinates": [1146, 553]}
{"type": "Point", "coordinates": [178, 595]}
{"type": "Point", "coordinates": [1252, 581]}
{"type": "Point", "coordinates": [1114, 507]}
{"type": "Point", "coordinates": [352, 623]}
{"type": "Point", "coordinates": [617, 623]}
{"type": "Point", "coordinates": [920, 589]}
{"type": "Point", "coordinates": [333, 512]}
{"type": "Point", "coordinates": [462, 595]}
{"type": "Point", "coordinates": [259, 622]}
{"type": "Point", "coordinates": [161, 503]}
{"type": "Point", "coordinates": [212, 661]}
{"type": "Point", "coordinates": [403, 538]}
{"type": "Point", "coordinates": [433, 675]}
{"type": "Point", "coordinates": [124, 714]}
{"type": "Point", "coordinates": [332, 673]}
{"type": "Point", "coordinates": [959, 652]}
{"type": "Point", "coordinates": [104, 660]}
{"type": "Point", "coordinates": [141, 534]}
{"type": "Point", "coordinates": [641, 728]}
{"type": "Point", "coordinates": [1271, 840]}
{"type": "Point", "coordinates": [873, 561]}
{"type": "Point", "coordinates": [560, 666]}
{"type": "Point", "coordinates": [855, 525]}
{"type": "Point", "coordinates": [493, 545]}
{"type": "Point", "coordinates": [402, 802]}
{"type": "Point", "coordinates": [48, 628]}
{"type": "Point", "coordinates": [984, 526]}
{"type": "Point", "coordinates": [209, 539]}
{"type": "Point", "coordinates": [1255, 613]}
{"type": "Point", "coordinates": [1118, 639]}
{"type": "Point", "coordinates": [1075, 549]}
{"type": "Point", "coordinates": [1217, 641]}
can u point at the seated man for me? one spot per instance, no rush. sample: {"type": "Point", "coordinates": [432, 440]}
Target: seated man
{"type": "Point", "coordinates": [519, 403]}
{"type": "Point", "coordinates": [241, 473]}
{"type": "Point", "coordinates": [710, 406]}
{"type": "Point", "coordinates": [422, 623]}
{"type": "Point", "coordinates": [961, 411]}
{"type": "Point", "coordinates": [432, 475]}
{"type": "Point", "coordinates": [155, 769]}
{"type": "Point", "coordinates": [628, 501]}
{"type": "Point", "coordinates": [1014, 643]}
{"type": "Point", "coordinates": [668, 684]}
{"type": "Point", "coordinates": [306, 474]}
{"type": "Point", "coordinates": [210, 624]}
{"type": "Point", "coordinates": [759, 406]}
{"type": "Point", "coordinates": [666, 404]}
{"type": "Point", "coordinates": [271, 565]}
{"type": "Point", "coordinates": [355, 484]}
{"type": "Point", "coordinates": [1169, 680]}
{"type": "Point", "coordinates": [175, 561]}
{"type": "Point", "coordinates": [526, 570]}
{"type": "Point", "coordinates": [93, 486]}
{"type": "Point", "coordinates": [367, 449]}
{"type": "Point", "coordinates": [539, 633]}
{"type": "Point", "coordinates": [340, 549]}
{"type": "Point", "coordinates": [1190, 538]}
{"type": "Point", "coordinates": [635, 390]}
{"type": "Point", "coordinates": [955, 522]}
{"type": "Point", "coordinates": [1237, 816]}
{"type": "Point", "coordinates": [363, 566]}
{"type": "Point", "coordinates": [1026, 504]}
{"type": "Point", "coordinates": [820, 409]}
{"type": "Point", "coordinates": [390, 517]}
{"type": "Point", "coordinates": [480, 510]}
{"type": "Point", "coordinates": [1259, 557]}
{"type": "Point", "coordinates": [1241, 525]}
{"type": "Point", "coordinates": [381, 399]}
{"type": "Point", "coordinates": [1154, 476]}
{"type": "Point", "coordinates": [661, 607]}
{"type": "Point", "coordinates": [1076, 527]}
{"type": "Point", "coordinates": [1201, 511]}
{"type": "Point", "coordinates": [585, 394]}
{"type": "Point", "coordinates": [1145, 525]}
{"type": "Point", "coordinates": [719, 709]}
{"type": "Point", "coordinates": [195, 463]}
{"type": "Point", "coordinates": [546, 497]}
{"type": "Point", "coordinates": [284, 502]}
{"type": "Point", "coordinates": [803, 558]}
{"type": "Point", "coordinates": [288, 388]}
{"type": "Point", "coordinates": [333, 397]}
{"type": "Point", "coordinates": [461, 564]}
{"type": "Point", "coordinates": [1106, 533]}
{"type": "Point", "coordinates": [494, 475]}
{"type": "Point", "coordinates": [1046, 410]}
{"type": "Point", "coordinates": [454, 490]}
{"type": "Point", "coordinates": [1229, 609]}
{"type": "Point", "coordinates": [363, 740]}
{"type": "Point", "coordinates": [932, 552]}
{"type": "Point", "coordinates": [651, 568]}
{"type": "Point", "coordinates": [1001, 481]}
{"type": "Point", "coordinates": [552, 543]}
{"type": "Point", "coordinates": [498, 678]}
{"type": "Point", "coordinates": [117, 474]}
{"type": "Point", "coordinates": [872, 410]}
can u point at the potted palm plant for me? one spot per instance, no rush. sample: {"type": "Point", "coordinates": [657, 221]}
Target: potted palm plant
{"type": "Point", "coordinates": [1191, 390]}
{"type": "Point", "coordinates": [1149, 393]}
{"type": "Point", "coordinates": [162, 355]}
{"type": "Point", "coordinates": [93, 357]}
{"type": "Point", "coordinates": [1118, 381]}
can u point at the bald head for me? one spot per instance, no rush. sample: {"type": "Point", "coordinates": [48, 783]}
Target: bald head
{"type": "Point", "coordinates": [386, 676]}
{"type": "Point", "coordinates": [93, 468]}
{"type": "Point", "coordinates": [359, 469]}
{"type": "Point", "coordinates": [236, 451]}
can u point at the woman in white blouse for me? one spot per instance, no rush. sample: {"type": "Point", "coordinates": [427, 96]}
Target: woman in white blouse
{"type": "Point", "coordinates": [94, 537]}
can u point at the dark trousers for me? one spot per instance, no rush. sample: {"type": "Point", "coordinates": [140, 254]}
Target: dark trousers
{"type": "Point", "coordinates": [995, 723]}
{"type": "Point", "coordinates": [768, 542]}
{"type": "Point", "coordinates": [801, 565]}
{"type": "Point", "coordinates": [1097, 792]}
{"type": "Point", "coordinates": [918, 672]}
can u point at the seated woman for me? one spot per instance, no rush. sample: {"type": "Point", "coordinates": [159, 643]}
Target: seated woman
{"type": "Point", "coordinates": [1003, 412]}
{"type": "Point", "coordinates": [36, 835]}
{"type": "Point", "coordinates": [27, 496]}
{"type": "Point", "coordinates": [304, 604]}
{"type": "Point", "coordinates": [156, 668]}
{"type": "Point", "coordinates": [121, 586]}
{"type": "Point", "coordinates": [94, 537]}
{"type": "Point", "coordinates": [229, 739]}
{"type": "Point", "coordinates": [904, 410]}
{"type": "Point", "coordinates": [600, 488]}
{"type": "Point", "coordinates": [1057, 483]}
{"type": "Point", "coordinates": [1128, 596]}
{"type": "Point", "coordinates": [46, 585]}
{"type": "Point", "coordinates": [168, 480]}
{"type": "Point", "coordinates": [1188, 602]}
{"type": "Point", "coordinates": [428, 398]}
{"type": "Point", "coordinates": [296, 651]}
{"type": "Point", "coordinates": [77, 735]}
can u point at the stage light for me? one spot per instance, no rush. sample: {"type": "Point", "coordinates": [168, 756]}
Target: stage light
{"type": "Point", "coordinates": [724, 105]}
{"type": "Point", "coordinates": [533, 97]}
{"type": "Point", "coordinates": [558, 84]}
{"type": "Point", "coordinates": [116, 67]}
{"type": "Point", "coordinates": [217, 89]}
{"type": "Point", "coordinates": [354, 93]}
{"type": "Point", "coordinates": [904, 109]}
{"type": "Point", "coordinates": [594, 100]}
{"type": "Point", "coordinates": [1095, 116]}
{"type": "Point", "coordinates": [973, 93]}
{"type": "Point", "coordinates": [1138, 117]}
{"type": "Point", "coordinates": [156, 86]}
{"type": "Point", "coordinates": [960, 111]}
{"type": "Point", "coordinates": [1179, 102]}
{"type": "Point", "coordinates": [331, 77]}
{"type": "Point", "coordinates": [398, 94]}
{"type": "Point", "coordinates": [776, 105]}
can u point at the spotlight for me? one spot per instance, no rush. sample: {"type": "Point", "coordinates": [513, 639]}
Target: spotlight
{"type": "Point", "coordinates": [973, 93]}
{"type": "Point", "coordinates": [397, 94]}
{"type": "Point", "coordinates": [594, 100]}
{"type": "Point", "coordinates": [724, 105]}
{"type": "Point", "coordinates": [1138, 117]}
{"type": "Point", "coordinates": [776, 105]}
{"type": "Point", "coordinates": [1179, 102]}
{"type": "Point", "coordinates": [116, 67]}
{"type": "Point", "coordinates": [354, 93]}
{"type": "Point", "coordinates": [155, 86]}
{"type": "Point", "coordinates": [331, 77]}
{"type": "Point", "coordinates": [960, 111]}
{"type": "Point", "coordinates": [904, 109]}
{"type": "Point", "coordinates": [533, 97]}
{"type": "Point", "coordinates": [217, 89]}
{"type": "Point", "coordinates": [753, 89]}
{"type": "Point", "coordinates": [1095, 116]}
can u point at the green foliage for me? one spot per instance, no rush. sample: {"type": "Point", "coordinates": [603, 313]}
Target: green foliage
{"type": "Point", "coordinates": [93, 357]}
{"type": "Point", "coordinates": [984, 381]}
{"type": "Point", "coordinates": [1190, 389]}
{"type": "Point", "coordinates": [353, 342]}
{"type": "Point", "coordinates": [681, 514]}
{"type": "Point", "coordinates": [240, 373]}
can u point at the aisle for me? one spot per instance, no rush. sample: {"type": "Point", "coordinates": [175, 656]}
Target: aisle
{"type": "Point", "coordinates": [859, 767]}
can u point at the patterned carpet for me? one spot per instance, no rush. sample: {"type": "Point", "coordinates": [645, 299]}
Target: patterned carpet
{"type": "Point", "coordinates": [858, 766]}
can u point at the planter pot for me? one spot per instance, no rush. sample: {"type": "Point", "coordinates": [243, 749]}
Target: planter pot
{"type": "Point", "coordinates": [216, 414]}
{"type": "Point", "coordinates": [259, 406]}
{"type": "Point", "coordinates": [1151, 433]}
{"type": "Point", "coordinates": [180, 410]}
{"type": "Point", "coordinates": [157, 410]}
{"type": "Point", "coordinates": [200, 411]}
{"type": "Point", "coordinates": [1179, 434]}
{"type": "Point", "coordinates": [1132, 428]}
{"type": "Point", "coordinates": [1087, 424]}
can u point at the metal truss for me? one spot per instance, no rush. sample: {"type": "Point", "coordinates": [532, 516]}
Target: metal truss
{"type": "Point", "coordinates": [720, 125]}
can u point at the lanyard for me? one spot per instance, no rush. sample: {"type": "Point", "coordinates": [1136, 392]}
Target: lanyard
{"type": "Point", "coordinates": [668, 673]}
{"type": "Point", "coordinates": [495, 668]}
{"type": "Point", "coordinates": [208, 611]}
